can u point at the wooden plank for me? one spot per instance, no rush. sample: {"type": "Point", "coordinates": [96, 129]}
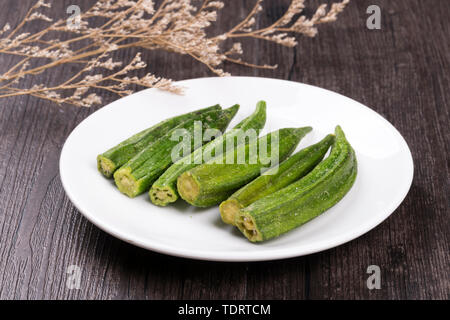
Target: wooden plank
{"type": "Point", "coordinates": [401, 71]}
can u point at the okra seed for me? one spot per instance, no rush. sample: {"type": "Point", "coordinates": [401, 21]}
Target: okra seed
{"type": "Point", "coordinates": [248, 223]}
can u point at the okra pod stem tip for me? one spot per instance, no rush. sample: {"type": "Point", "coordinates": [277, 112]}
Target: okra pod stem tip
{"type": "Point", "coordinates": [162, 196]}
{"type": "Point", "coordinates": [125, 182]}
{"type": "Point", "coordinates": [105, 166]}
{"type": "Point", "coordinates": [188, 187]}
{"type": "Point", "coordinates": [229, 209]}
{"type": "Point", "coordinates": [247, 225]}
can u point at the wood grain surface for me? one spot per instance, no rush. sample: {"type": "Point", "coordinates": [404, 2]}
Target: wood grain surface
{"type": "Point", "coordinates": [401, 71]}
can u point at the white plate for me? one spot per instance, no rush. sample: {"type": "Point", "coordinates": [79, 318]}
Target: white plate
{"type": "Point", "coordinates": [384, 177]}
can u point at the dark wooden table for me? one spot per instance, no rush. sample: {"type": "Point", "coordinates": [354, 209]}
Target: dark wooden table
{"type": "Point", "coordinates": [401, 71]}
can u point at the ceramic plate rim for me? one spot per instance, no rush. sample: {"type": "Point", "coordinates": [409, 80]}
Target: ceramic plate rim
{"type": "Point", "coordinates": [274, 254]}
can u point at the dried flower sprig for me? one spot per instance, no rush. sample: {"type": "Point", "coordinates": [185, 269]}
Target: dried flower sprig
{"type": "Point", "coordinates": [175, 25]}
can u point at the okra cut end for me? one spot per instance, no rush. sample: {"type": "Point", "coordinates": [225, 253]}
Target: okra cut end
{"type": "Point", "coordinates": [247, 225]}
{"type": "Point", "coordinates": [188, 187]}
{"type": "Point", "coordinates": [162, 196]}
{"type": "Point", "coordinates": [105, 166]}
{"type": "Point", "coordinates": [228, 210]}
{"type": "Point", "coordinates": [126, 183]}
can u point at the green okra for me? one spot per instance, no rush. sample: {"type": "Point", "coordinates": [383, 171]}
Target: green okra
{"type": "Point", "coordinates": [215, 180]}
{"type": "Point", "coordinates": [290, 170]}
{"type": "Point", "coordinates": [303, 200]}
{"type": "Point", "coordinates": [112, 159]}
{"type": "Point", "coordinates": [137, 175]}
{"type": "Point", "coordinates": [164, 190]}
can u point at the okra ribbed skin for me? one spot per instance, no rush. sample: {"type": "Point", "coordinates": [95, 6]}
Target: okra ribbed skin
{"type": "Point", "coordinates": [290, 170]}
{"type": "Point", "coordinates": [303, 200]}
{"type": "Point", "coordinates": [138, 174]}
{"type": "Point", "coordinates": [109, 161]}
{"type": "Point", "coordinates": [164, 190]}
{"type": "Point", "coordinates": [214, 181]}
